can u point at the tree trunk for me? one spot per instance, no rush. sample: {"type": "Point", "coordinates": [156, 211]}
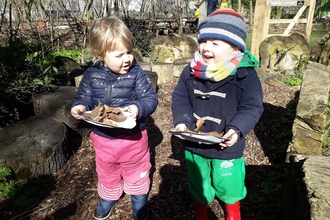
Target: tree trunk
{"type": "Point", "coordinates": [58, 105]}
{"type": "Point", "coordinates": [34, 147]}
{"type": "Point", "coordinates": [178, 66]}
{"type": "Point", "coordinates": [164, 72]}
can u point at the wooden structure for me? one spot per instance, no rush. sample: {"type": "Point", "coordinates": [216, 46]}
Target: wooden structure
{"type": "Point", "coordinates": [202, 10]}
{"type": "Point", "coordinates": [262, 19]}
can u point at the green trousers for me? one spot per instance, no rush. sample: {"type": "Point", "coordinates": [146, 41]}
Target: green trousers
{"type": "Point", "coordinates": [208, 178]}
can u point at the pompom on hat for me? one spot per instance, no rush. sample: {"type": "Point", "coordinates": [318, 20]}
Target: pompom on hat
{"type": "Point", "coordinates": [226, 25]}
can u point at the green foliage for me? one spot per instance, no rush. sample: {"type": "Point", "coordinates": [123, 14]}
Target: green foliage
{"type": "Point", "coordinates": [73, 54]}
{"type": "Point", "coordinates": [296, 80]}
{"type": "Point", "coordinates": [326, 135]}
{"type": "Point", "coordinates": [24, 193]}
{"type": "Point", "coordinates": [6, 185]}
{"type": "Point", "coordinates": [293, 81]}
{"type": "Point", "coordinates": [21, 72]}
{"type": "Point", "coordinates": [20, 194]}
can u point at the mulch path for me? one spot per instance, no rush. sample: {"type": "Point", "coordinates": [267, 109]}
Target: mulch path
{"type": "Point", "coordinates": [71, 192]}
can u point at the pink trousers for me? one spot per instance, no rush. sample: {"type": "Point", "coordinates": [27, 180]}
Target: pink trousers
{"type": "Point", "coordinates": [122, 165]}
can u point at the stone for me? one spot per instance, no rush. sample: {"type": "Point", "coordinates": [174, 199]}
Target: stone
{"type": "Point", "coordinates": [310, 120]}
{"type": "Point", "coordinates": [317, 180]}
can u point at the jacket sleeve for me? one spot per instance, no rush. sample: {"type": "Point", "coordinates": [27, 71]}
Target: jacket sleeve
{"type": "Point", "coordinates": [146, 97]}
{"type": "Point", "coordinates": [250, 106]}
{"type": "Point", "coordinates": [84, 95]}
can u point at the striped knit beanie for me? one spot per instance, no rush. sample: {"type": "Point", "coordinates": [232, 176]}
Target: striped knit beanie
{"type": "Point", "coordinates": [226, 25]}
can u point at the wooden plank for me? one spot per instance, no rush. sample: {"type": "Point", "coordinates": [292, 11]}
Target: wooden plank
{"type": "Point", "coordinates": [260, 26]}
{"type": "Point", "coordinates": [266, 22]}
{"type": "Point", "coordinates": [262, 21]}
{"type": "Point", "coordinates": [309, 24]}
{"type": "Point", "coordinates": [286, 3]}
{"type": "Point", "coordinates": [287, 21]}
{"type": "Point", "coordinates": [202, 11]}
{"type": "Point", "coordinates": [294, 20]}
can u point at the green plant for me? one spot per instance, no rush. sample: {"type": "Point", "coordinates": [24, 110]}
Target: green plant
{"type": "Point", "coordinates": [292, 81]}
{"type": "Point", "coordinates": [73, 54]}
{"type": "Point", "coordinates": [326, 135]}
{"type": "Point", "coordinates": [21, 73]}
{"type": "Point", "coordinates": [296, 79]}
{"type": "Point", "coordinates": [21, 193]}
{"type": "Point", "coordinates": [6, 185]}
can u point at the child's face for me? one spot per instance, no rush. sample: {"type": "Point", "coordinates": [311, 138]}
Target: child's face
{"type": "Point", "coordinates": [119, 60]}
{"type": "Point", "coordinates": [213, 50]}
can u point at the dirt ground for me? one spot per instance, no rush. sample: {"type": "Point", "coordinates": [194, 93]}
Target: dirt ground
{"type": "Point", "coordinates": [71, 192]}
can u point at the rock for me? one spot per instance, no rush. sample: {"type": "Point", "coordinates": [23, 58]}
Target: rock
{"type": "Point", "coordinates": [34, 147]}
{"type": "Point", "coordinates": [317, 180]}
{"type": "Point", "coordinates": [310, 120]}
{"type": "Point", "coordinates": [324, 56]}
{"type": "Point", "coordinates": [137, 55]}
{"type": "Point", "coordinates": [70, 66]}
{"type": "Point", "coordinates": [65, 63]}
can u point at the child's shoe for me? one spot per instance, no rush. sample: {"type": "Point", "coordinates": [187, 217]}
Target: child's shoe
{"type": "Point", "coordinates": [104, 209]}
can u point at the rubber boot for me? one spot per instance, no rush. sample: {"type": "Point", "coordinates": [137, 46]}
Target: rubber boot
{"type": "Point", "coordinates": [200, 210]}
{"type": "Point", "coordinates": [139, 207]}
{"type": "Point", "coordinates": [233, 211]}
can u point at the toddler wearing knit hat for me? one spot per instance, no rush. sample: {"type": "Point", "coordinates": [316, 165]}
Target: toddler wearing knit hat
{"type": "Point", "coordinates": [220, 86]}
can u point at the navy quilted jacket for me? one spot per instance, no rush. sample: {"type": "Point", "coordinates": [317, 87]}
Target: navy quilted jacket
{"type": "Point", "coordinates": [117, 90]}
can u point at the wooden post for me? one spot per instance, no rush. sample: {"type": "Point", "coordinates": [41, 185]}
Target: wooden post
{"type": "Point", "coordinates": [262, 20]}
{"type": "Point", "coordinates": [260, 26]}
{"type": "Point", "coordinates": [202, 11]}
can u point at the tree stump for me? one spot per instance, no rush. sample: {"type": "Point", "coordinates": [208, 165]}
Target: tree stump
{"type": "Point", "coordinates": [57, 104]}
{"type": "Point", "coordinates": [34, 147]}
{"type": "Point", "coordinates": [164, 72]}
{"type": "Point", "coordinates": [283, 52]}
{"type": "Point", "coordinates": [179, 64]}
{"type": "Point", "coordinates": [153, 78]}
{"type": "Point", "coordinates": [146, 66]}
{"type": "Point", "coordinates": [77, 80]}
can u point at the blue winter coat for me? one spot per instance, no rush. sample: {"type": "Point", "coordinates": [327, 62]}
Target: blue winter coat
{"type": "Point", "coordinates": [99, 83]}
{"type": "Point", "coordinates": [237, 101]}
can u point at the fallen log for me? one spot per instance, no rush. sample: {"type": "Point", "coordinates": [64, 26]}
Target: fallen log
{"type": "Point", "coordinates": [57, 104]}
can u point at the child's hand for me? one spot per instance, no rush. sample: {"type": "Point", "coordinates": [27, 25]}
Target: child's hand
{"type": "Point", "coordinates": [133, 110]}
{"type": "Point", "coordinates": [78, 110]}
{"type": "Point", "coordinates": [232, 137]}
{"type": "Point", "coordinates": [181, 127]}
